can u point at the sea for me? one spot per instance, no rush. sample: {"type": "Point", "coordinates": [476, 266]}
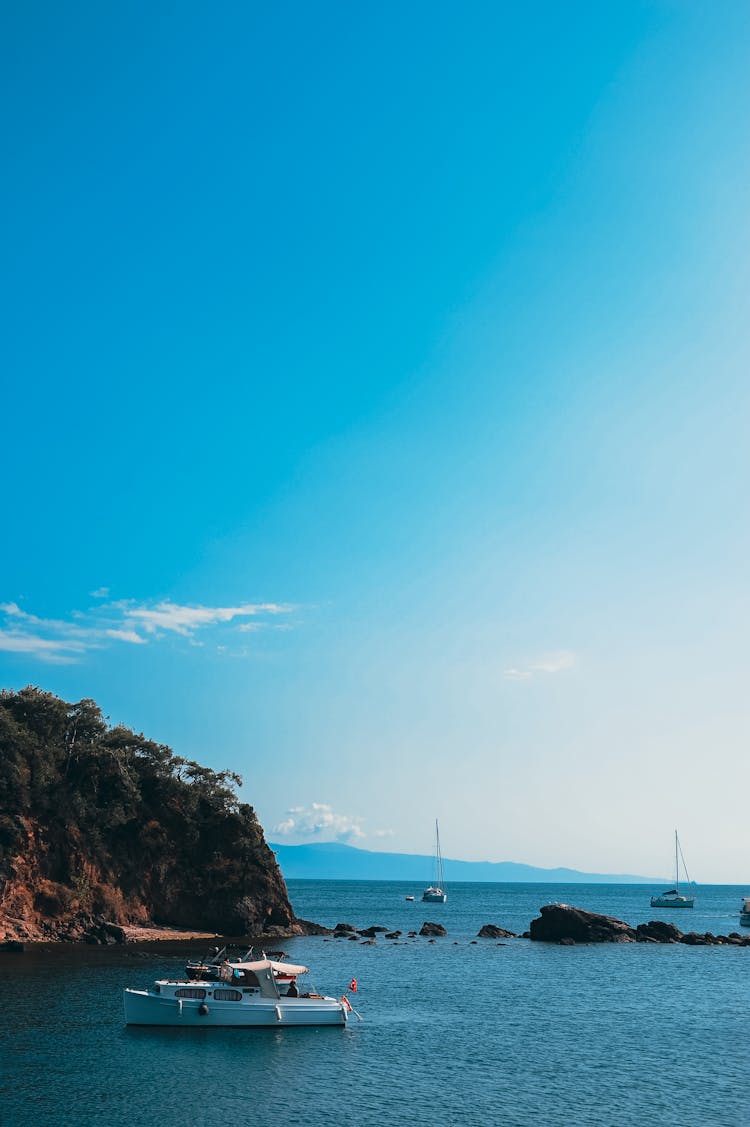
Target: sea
{"type": "Point", "coordinates": [458, 1031]}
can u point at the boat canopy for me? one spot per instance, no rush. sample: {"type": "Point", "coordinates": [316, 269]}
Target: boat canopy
{"type": "Point", "coordinates": [269, 964]}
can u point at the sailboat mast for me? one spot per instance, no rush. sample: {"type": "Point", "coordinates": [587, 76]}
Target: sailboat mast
{"type": "Point", "coordinates": [438, 858]}
{"type": "Point", "coordinates": [676, 864]}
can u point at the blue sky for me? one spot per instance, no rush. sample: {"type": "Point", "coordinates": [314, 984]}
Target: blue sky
{"type": "Point", "coordinates": [375, 411]}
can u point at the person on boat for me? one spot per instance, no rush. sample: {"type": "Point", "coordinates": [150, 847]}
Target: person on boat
{"type": "Point", "coordinates": [292, 992]}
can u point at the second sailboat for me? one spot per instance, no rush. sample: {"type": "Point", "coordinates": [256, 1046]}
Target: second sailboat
{"type": "Point", "coordinates": [436, 893]}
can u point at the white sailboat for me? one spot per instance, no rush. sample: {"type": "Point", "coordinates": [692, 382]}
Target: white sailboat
{"type": "Point", "coordinates": [673, 898]}
{"type": "Point", "coordinates": [436, 893]}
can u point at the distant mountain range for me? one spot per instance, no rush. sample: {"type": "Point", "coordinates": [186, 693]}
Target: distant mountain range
{"type": "Point", "coordinates": [331, 860]}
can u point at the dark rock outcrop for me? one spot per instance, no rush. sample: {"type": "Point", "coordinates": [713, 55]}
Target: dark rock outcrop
{"type": "Point", "coordinates": [307, 927]}
{"type": "Point", "coordinates": [656, 931]}
{"type": "Point", "coordinates": [563, 922]}
{"type": "Point", "coordinates": [344, 927]}
{"type": "Point", "coordinates": [492, 931]}
{"type": "Point", "coordinates": [432, 929]}
{"type": "Point", "coordinates": [371, 932]}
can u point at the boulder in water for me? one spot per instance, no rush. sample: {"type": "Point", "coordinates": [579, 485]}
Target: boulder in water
{"type": "Point", "coordinates": [561, 921]}
{"type": "Point", "coordinates": [656, 931]}
{"type": "Point", "coordinates": [432, 929]}
{"type": "Point", "coordinates": [492, 931]}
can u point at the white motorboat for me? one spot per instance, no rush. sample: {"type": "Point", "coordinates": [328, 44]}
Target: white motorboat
{"type": "Point", "coordinates": [745, 912]}
{"type": "Point", "coordinates": [674, 898]}
{"type": "Point", "coordinates": [436, 893]}
{"type": "Point", "coordinates": [252, 998]}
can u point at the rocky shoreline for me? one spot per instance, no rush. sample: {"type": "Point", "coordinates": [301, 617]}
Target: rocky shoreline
{"type": "Point", "coordinates": [557, 923]}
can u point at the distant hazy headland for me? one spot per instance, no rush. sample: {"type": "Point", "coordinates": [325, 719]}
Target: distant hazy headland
{"type": "Point", "coordinates": [334, 861]}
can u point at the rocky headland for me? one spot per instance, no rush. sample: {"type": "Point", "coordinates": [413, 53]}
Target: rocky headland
{"type": "Point", "coordinates": [107, 836]}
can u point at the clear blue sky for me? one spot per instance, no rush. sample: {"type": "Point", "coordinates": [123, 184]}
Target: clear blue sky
{"type": "Point", "coordinates": [375, 410]}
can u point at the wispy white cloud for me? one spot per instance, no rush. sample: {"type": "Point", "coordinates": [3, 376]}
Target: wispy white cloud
{"type": "Point", "coordinates": [128, 621]}
{"type": "Point", "coordinates": [46, 649]}
{"type": "Point", "coordinates": [320, 820]}
{"type": "Point", "coordinates": [549, 663]}
{"type": "Point", "coordinates": [181, 619]}
{"type": "Point", "coordinates": [126, 636]}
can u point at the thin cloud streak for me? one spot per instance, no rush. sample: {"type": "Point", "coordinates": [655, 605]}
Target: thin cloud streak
{"type": "Point", "coordinates": [186, 619]}
{"type": "Point", "coordinates": [46, 649]}
{"type": "Point", "coordinates": [548, 664]}
{"type": "Point", "coordinates": [126, 621]}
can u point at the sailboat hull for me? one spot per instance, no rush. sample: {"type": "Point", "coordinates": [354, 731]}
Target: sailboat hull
{"type": "Point", "coordinates": [434, 897]}
{"type": "Point", "coordinates": [672, 901]}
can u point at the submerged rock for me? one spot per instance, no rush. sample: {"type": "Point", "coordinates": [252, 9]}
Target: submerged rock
{"type": "Point", "coordinates": [432, 929]}
{"type": "Point", "coordinates": [561, 921]}
{"type": "Point", "coordinates": [492, 931]}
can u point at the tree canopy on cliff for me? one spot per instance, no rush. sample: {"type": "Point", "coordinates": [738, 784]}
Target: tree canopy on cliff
{"type": "Point", "coordinates": [123, 826]}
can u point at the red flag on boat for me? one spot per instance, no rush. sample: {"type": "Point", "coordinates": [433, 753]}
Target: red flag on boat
{"type": "Point", "coordinates": [353, 986]}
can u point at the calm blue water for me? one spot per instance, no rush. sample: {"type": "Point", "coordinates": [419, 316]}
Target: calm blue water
{"type": "Point", "coordinates": [454, 1033]}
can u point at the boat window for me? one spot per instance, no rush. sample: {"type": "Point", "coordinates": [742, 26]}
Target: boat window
{"type": "Point", "coordinates": [228, 995]}
{"type": "Point", "coordinates": [190, 992]}
{"type": "Point", "coordinates": [247, 978]}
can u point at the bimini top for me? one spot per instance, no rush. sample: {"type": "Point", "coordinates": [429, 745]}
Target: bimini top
{"type": "Point", "coordinates": [269, 964]}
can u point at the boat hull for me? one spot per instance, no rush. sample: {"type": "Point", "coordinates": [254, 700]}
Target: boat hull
{"type": "Point", "coordinates": [744, 919]}
{"type": "Point", "coordinates": [434, 897]}
{"type": "Point", "coordinates": [661, 902]}
{"type": "Point", "coordinates": [142, 1007]}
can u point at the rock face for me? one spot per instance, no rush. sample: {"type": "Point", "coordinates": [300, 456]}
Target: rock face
{"type": "Point", "coordinates": [100, 827]}
{"type": "Point", "coordinates": [560, 922]}
{"type": "Point", "coordinates": [492, 931]}
{"type": "Point", "coordinates": [432, 929]}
